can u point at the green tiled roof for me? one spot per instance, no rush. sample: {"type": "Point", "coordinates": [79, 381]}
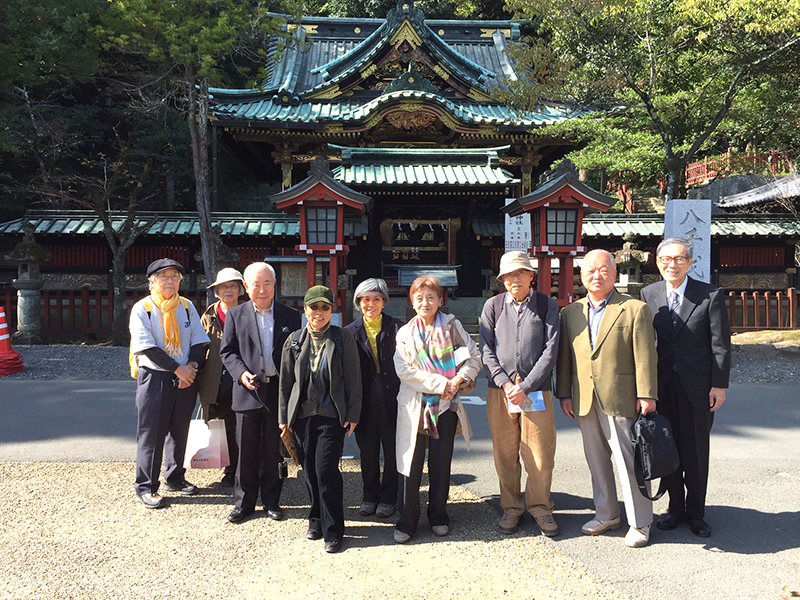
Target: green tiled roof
{"type": "Point", "coordinates": [167, 223]}
{"type": "Point", "coordinates": [652, 225]}
{"type": "Point", "coordinates": [259, 107]}
{"type": "Point", "coordinates": [332, 56]}
{"type": "Point", "coordinates": [725, 225]}
{"type": "Point", "coordinates": [417, 166]}
{"type": "Point", "coordinates": [326, 48]}
{"type": "Point", "coordinates": [422, 174]}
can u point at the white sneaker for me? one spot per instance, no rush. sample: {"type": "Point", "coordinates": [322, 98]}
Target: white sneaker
{"type": "Point", "coordinates": [401, 537]}
{"type": "Point", "coordinates": [440, 530]}
{"type": "Point", "coordinates": [596, 527]}
{"type": "Point", "coordinates": [637, 537]}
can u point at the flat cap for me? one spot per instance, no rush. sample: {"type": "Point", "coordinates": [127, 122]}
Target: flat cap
{"type": "Point", "coordinates": [164, 263]}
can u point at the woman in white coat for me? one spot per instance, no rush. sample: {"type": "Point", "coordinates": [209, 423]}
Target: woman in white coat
{"type": "Point", "coordinates": [434, 358]}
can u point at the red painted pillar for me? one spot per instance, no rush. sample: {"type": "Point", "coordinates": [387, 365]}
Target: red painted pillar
{"type": "Point", "coordinates": [566, 280]}
{"type": "Point", "coordinates": [311, 271]}
{"type": "Point", "coordinates": [334, 281]}
{"type": "Point", "coordinates": [545, 277]}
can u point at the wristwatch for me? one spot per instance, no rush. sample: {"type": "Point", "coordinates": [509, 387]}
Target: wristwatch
{"type": "Point", "coordinates": [195, 364]}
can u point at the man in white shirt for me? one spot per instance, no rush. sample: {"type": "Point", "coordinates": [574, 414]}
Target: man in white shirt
{"type": "Point", "coordinates": [251, 352]}
{"type": "Point", "coordinates": [168, 346]}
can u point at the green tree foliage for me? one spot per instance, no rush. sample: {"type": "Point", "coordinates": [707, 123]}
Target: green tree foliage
{"type": "Point", "coordinates": [191, 46]}
{"type": "Point", "coordinates": [671, 69]}
{"type": "Point", "coordinates": [46, 117]}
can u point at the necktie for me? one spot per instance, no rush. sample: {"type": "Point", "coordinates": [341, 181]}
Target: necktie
{"type": "Point", "coordinates": [673, 306]}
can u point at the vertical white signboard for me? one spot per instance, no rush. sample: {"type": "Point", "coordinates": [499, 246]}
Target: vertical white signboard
{"type": "Point", "coordinates": [518, 231]}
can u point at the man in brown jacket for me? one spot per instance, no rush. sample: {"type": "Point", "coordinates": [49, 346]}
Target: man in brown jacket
{"type": "Point", "coordinates": [606, 373]}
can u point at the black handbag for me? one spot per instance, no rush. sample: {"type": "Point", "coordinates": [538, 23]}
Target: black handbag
{"type": "Point", "coordinates": [655, 453]}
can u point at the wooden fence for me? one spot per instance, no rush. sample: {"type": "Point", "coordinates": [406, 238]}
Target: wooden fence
{"type": "Point", "coordinates": [88, 314]}
{"type": "Point", "coordinates": [704, 171]}
{"type": "Point", "coordinates": [81, 313]}
{"type": "Point", "coordinates": [762, 310]}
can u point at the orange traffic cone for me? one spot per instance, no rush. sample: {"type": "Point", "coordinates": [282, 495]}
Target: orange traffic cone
{"type": "Point", "coordinates": [10, 361]}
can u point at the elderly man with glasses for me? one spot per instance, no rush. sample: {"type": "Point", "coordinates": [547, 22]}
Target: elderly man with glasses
{"type": "Point", "coordinates": [694, 360]}
{"type": "Point", "coordinates": [167, 349]}
{"type": "Point", "coordinates": [605, 375]}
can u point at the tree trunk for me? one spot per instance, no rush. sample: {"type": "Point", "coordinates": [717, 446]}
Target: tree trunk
{"type": "Point", "coordinates": [120, 334]}
{"type": "Point", "coordinates": [676, 178]}
{"type": "Point", "coordinates": [198, 128]}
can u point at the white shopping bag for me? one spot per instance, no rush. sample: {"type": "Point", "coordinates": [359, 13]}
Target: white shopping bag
{"type": "Point", "coordinates": [207, 445]}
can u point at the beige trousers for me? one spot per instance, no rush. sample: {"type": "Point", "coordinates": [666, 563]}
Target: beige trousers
{"type": "Point", "coordinates": [531, 435]}
{"type": "Point", "coordinates": [605, 436]}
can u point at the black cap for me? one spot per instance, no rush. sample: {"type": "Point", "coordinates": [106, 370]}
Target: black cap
{"type": "Point", "coordinates": [318, 293]}
{"type": "Point", "coordinates": [164, 263]}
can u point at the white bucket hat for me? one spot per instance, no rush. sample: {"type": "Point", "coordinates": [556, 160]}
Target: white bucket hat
{"type": "Point", "coordinates": [514, 261]}
{"type": "Point", "coordinates": [227, 274]}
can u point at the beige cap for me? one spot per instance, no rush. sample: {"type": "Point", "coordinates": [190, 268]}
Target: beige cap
{"type": "Point", "coordinates": [514, 261]}
{"type": "Point", "coordinates": [227, 274]}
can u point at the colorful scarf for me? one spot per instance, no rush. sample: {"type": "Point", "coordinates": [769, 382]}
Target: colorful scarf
{"type": "Point", "coordinates": [435, 357]}
{"type": "Point", "coordinates": [172, 331]}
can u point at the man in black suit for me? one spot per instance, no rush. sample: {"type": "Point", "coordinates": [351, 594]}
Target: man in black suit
{"type": "Point", "coordinates": [694, 358]}
{"type": "Point", "coordinates": [251, 352]}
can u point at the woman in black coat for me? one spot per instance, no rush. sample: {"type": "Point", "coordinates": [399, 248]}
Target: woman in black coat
{"type": "Point", "coordinates": [375, 335]}
{"type": "Point", "coordinates": [320, 400]}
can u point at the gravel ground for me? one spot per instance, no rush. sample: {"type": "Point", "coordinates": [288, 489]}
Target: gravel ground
{"type": "Point", "coordinates": [751, 363]}
{"type": "Point", "coordinates": [75, 530]}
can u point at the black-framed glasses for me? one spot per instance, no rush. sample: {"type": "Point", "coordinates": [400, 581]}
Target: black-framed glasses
{"type": "Point", "coordinates": [678, 260]}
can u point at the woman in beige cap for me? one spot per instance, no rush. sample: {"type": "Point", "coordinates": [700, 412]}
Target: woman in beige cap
{"type": "Point", "coordinates": [216, 384]}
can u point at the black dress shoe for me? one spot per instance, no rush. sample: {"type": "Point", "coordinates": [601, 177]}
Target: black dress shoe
{"type": "Point", "coordinates": [239, 514]}
{"type": "Point", "coordinates": [700, 528]}
{"type": "Point", "coordinates": [228, 480]}
{"type": "Point", "coordinates": [669, 521]}
{"type": "Point", "coordinates": [313, 534]}
{"type": "Point", "coordinates": [184, 488]}
{"type": "Point", "coordinates": [333, 546]}
{"type": "Point", "coordinates": [275, 513]}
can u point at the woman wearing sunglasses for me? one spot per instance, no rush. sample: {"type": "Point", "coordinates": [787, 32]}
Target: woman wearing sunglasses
{"type": "Point", "coordinates": [320, 400]}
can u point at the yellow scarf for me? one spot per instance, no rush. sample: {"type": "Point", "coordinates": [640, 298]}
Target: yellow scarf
{"type": "Point", "coordinates": [172, 331]}
{"type": "Point", "coordinates": [373, 328]}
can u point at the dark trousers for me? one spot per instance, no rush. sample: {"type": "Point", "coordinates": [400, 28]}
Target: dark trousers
{"type": "Point", "coordinates": [225, 412]}
{"type": "Point", "coordinates": [163, 412]}
{"type": "Point", "coordinates": [259, 455]}
{"type": "Point", "coordinates": [322, 440]}
{"type": "Point", "coordinates": [691, 429]}
{"type": "Point", "coordinates": [440, 457]}
{"type": "Point", "coordinates": [378, 431]}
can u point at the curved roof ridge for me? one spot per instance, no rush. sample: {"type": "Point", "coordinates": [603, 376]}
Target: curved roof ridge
{"type": "Point", "coordinates": [357, 58]}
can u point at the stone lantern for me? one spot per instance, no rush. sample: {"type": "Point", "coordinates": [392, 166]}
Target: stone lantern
{"type": "Point", "coordinates": [629, 261]}
{"type": "Point", "coordinates": [30, 318]}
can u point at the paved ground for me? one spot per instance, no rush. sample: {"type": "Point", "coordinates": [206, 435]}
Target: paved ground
{"type": "Point", "coordinates": [754, 504]}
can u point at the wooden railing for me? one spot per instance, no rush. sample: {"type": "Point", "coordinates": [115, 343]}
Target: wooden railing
{"type": "Point", "coordinates": [762, 310]}
{"type": "Point", "coordinates": [704, 171]}
{"type": "Point", "coordinates": [81, 313]}
{"type": "Point", "coordinates": [85, 313]}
